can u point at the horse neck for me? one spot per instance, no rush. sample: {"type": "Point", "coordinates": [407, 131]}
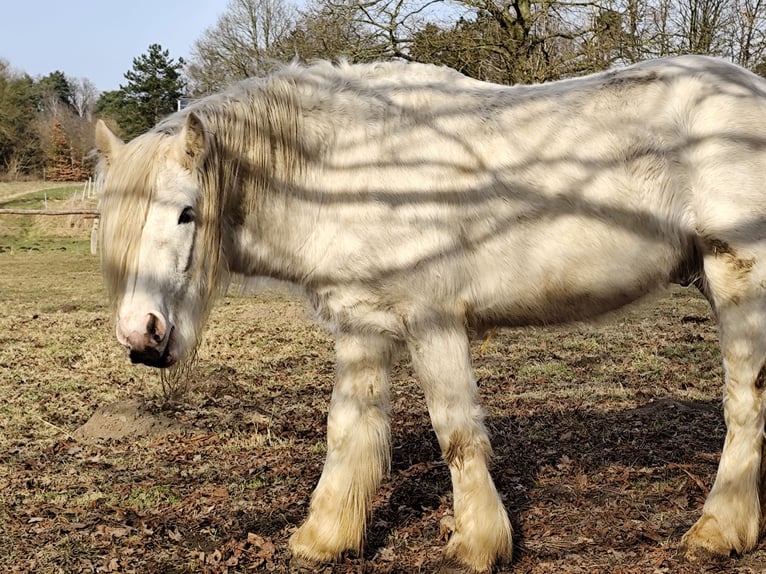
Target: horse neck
{"type": "Point", "coordinates": [276, 238]}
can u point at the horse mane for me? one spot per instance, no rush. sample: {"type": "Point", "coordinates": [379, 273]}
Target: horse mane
{"type": "Point", "coordinates": [254, 152]}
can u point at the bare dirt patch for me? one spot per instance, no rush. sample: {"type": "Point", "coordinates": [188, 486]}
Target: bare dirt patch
{"type": "Point", "coordinates": [125, 419]}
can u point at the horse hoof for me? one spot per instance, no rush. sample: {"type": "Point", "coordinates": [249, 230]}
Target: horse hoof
{"type": "Point", "coordinates": [301, 565]}
{"type": "Point", "coordinates": [704, 542]}
{"type": "Point", "coordinates": [454, 566]}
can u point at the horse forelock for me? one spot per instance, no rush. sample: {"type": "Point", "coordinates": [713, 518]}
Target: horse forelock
{"type": "Point", "coordinates": [129, 182]}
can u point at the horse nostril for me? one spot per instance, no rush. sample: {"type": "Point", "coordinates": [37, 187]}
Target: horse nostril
{"type": "Point", "coordinates": [155, 327]}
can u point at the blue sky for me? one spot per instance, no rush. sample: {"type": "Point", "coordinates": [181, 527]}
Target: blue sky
{"type": "Point", "coordinates": [98, 39]}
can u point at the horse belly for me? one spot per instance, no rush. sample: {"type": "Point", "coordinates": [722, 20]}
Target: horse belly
{"type": "Point", "coordinates": [570, 271]}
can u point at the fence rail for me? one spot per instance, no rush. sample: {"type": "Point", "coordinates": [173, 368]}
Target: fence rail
{"type": "Point", "coordinates": [83, 212]}
{"type": "Point", "coordinates": [83, 218]}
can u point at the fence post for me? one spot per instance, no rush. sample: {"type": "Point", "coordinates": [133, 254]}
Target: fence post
{"type": "Point", "coordinates": [94, 236]}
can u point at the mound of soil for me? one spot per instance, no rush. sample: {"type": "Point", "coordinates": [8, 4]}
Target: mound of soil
{"type": "Point", "coordinates": [125, 419]}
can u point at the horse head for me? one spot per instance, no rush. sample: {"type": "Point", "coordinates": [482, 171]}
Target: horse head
{"type": "Point", "coordinates": [151, 252]}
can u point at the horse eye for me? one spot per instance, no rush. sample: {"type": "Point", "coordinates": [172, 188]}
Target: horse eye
{"type": "Point", "coordinates": [187, 216]}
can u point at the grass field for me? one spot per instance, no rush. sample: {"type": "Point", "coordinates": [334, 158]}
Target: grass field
{"type": "Point", "coordinates": [10, 190]}
{"type": "Point", "coordinates": [36, 232]}
{"type": "Point", "coordinates": [606, 436]}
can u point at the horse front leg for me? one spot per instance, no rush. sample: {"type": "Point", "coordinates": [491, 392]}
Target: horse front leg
{"type": "Point", "coordinates": [731, 516]}
{"type": "Point", "coordinates": [358, 451]}
{"type": "Point", "coordinates": [482, 533]}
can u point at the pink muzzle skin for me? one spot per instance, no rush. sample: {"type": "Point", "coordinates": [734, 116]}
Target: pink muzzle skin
{"type": "Point", "coordinates": [147, 339]}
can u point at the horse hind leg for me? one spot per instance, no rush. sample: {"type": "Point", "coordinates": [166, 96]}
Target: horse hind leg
{"type": "Point", "coordinates": [731, 515]}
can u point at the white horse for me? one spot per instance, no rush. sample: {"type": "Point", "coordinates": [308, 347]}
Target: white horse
{"type": "Point", "coordinates": [415, 206]}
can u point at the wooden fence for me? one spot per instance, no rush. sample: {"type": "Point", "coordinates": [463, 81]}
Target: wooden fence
{"type": "Point", "coordinates": [84, 212]}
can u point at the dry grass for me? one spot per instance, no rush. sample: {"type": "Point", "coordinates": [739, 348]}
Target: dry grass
{"type": "Point", "coordinates": [605, 438]}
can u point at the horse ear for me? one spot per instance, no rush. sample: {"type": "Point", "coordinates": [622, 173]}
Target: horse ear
{"type": "Point", "coordinates": [107, 143]}
{"type": "Point", "coordinates": [192, 141]}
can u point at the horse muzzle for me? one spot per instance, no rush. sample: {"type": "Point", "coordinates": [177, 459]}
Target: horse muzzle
{"type": "Point", "coordinates": [148, 339]}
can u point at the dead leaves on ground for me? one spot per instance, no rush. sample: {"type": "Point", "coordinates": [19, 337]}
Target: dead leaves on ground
{"type": "Point", "coordinates": [254, 553]}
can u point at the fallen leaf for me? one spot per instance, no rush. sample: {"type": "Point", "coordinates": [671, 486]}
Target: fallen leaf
{"type": "Point", "coordinates": [175, 535]}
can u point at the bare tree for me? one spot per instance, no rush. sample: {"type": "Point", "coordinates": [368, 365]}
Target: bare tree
{"type": "Point", "coordinates": [241, 44]}
{"type": "Point", "coordinates": [84, 96]}
{"type": "Point", "coordinates": [701, 25]}
{"type": "Point", "coordinates": [526, 41]}
{"type": "Point", "coordinates": [330, 31]}
{"type": "Point", "coordinates": [392, 23]}
{"type": "Point", "coordinates": [748, 37]}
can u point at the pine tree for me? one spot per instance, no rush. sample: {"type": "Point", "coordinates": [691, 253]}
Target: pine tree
{"type": "Point", "coordinates": [62, 164]}
{"type": "Point", "coordinates": [54, 90]}
{"type": "Point", "coordinates": [154, 86]}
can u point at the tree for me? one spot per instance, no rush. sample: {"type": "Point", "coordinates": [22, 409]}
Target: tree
{"type": "Point", "coordinates": [469, 47]}
{"type": "Point", "coordinates": [154, 86]}
{"type": "Point", "coordinates": [319, 34]}
{"type": "Point", "coordinates": [241, 44]}
{"type": "Point", "coordinates": [54, 91]}
{"type": "Point", "coordinates": [84, 94]}
{"type": "Point", "coordinates": [64, 163]}
{"type": "Point", "coordinates": [522, 41]}
{"type": "Point", "coordinates": [701, 22]}
{"type": "Point", "coordinates": [325, 31]}
{"type": "Point", "coordinates": [20, 151]}
{"type": "Point", "coordinates": [382, 29]}
{"type": "Point", "coordinates": [108, 105]}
